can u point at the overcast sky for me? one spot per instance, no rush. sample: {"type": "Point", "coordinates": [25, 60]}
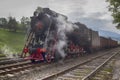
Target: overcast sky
{"type": "Point", "coordinates": [93, 13]}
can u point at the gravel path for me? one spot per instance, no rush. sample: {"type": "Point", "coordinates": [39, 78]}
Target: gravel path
{"type": "Point", "coordinates": [116, 70]}
{"type": "Point", "coordinates": [43, 71]}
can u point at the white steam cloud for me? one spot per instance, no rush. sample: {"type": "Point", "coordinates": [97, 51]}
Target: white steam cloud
{"type": "Point", "coordinates": [9, 53]}
{"type": "Point", "coordinates": [63, 26]}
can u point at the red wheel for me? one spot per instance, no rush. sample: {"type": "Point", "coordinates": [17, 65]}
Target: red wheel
{"type": "Point", "coordinates": [48, 58]}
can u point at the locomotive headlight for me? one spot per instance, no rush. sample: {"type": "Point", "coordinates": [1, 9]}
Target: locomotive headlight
{"type": "Point", "coordinates": [39, 25]}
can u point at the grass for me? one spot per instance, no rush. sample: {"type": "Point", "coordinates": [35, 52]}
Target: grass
{"type": "Point", "coordinates": [13, 40]}
{"type": "Point", "coordinates": [2, 55]}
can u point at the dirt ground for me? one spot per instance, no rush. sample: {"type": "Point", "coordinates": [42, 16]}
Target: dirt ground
{"type": "Point", "coordinates": [116, 69]}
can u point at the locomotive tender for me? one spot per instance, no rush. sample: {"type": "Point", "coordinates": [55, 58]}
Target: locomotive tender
{"type": "Point", "coordinates": [45, 35]}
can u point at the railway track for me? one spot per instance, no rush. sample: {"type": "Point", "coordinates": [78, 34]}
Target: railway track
{"type": "Point", "coordinates": [83, 71]}
{"type": "Point", "coordinates": [12, 70]}
{"type": "Point", "coordinates": [42, 73]}
{"type": "Point", "coordinates": [17, 69]}
{"type": "Point", "coordinates": [106, 72]}
{"type": "Point", "coordinates": [12, 67]}
{"type": "Point", "coordinates": [3, 58]}
{"type": "Point", "coordinates": [97, 69]}
{"type": "Point", "coordinates": [8, 61]}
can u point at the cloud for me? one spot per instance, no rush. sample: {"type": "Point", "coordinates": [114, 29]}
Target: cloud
{"type": "Point", "coordinates": [19, 8]}
{"type": "Point", "coordinates": [99, 24]}
{"type": "Point", "coordinates": [94, 6]}
{"type": "Point", "coordinates": [93, 13]}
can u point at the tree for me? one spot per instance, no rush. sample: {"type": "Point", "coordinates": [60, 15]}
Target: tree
{"type": "Point", "coordinates": [3, 23]}
{"type": "Point", "coordinates": [114, 7]}
{"type": "Point", "coordinates": [25, 23]}
{"type": "Point", "coordinates": [12, 24]}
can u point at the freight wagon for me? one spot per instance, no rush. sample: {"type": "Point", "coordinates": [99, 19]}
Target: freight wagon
{"type": "Point", "coordinates": [106, 43]}
{"type": "Point", "coordinates": [94, 40]}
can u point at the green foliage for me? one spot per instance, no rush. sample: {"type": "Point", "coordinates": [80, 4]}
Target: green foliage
{"type": "Point", "coordinates": [114, 7]}
{"type": "Point", "coordinates": [3, 22]}
{"type": "Point", "coordinates": [12, 24]}
{"type": "Point", "coordinates": [25, 23]}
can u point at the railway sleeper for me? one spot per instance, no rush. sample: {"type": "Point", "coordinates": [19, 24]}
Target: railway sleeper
{"type": "Point", "coordinates": [82, 70]}
{"type": "Point", "coordinates": [87, 67]}
{"type": "Point", "coordinates": [72, 77]}
{"type": "Point", "coordinates": [10, 75]}
{"type": "Point", "coordinates": [96, 78]}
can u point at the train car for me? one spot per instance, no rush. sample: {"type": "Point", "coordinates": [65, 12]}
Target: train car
{"type": "Point", "coordinates": [115, 43]}
{"type": "Point", "coordinates": [94, 41]}
{"type": "Point", "coordinates": [86, 38]}
{"type": "Point", "coordinates": [80, 36]}
{"type": "Point", "coordinates": [112, 43]}
{"type": "Point", "coordinates": [104, 42]}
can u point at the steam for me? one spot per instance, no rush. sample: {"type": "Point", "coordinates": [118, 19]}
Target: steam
{"type": "Point", "coordinates": [63, 27]}
{"type": "Point", "coordinates": [9, 53]}
{"type": "Point", "coordinates": [59, 46]}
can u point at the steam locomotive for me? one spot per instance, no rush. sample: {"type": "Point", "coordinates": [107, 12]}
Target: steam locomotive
{"type": "Point", "coordinates": [53, 37]}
